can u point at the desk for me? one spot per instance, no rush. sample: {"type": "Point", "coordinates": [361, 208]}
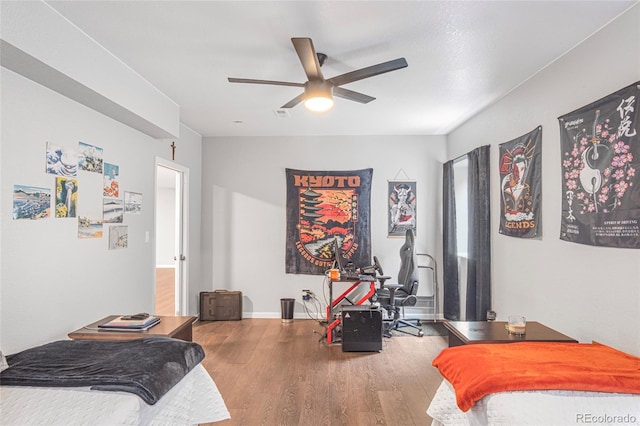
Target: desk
{"type": "Point", "coordinates": [333, 316]}
{"type": "Point", "coordinates": [470, 332]}
{"type": "Point", "coordinates": [176, 327]}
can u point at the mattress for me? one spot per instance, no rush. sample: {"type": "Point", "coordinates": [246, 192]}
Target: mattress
{"type": "Point", "coordinates": [195, 399]}
{"type": "Point", "coordinates": [536, 408]}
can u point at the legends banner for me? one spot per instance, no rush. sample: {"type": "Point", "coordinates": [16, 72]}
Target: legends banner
{"type": "Point", "coordinates": [323, 207]}
{"type": "Point", "coordinates": [600, 178]}
{"type": "Point", "coordinates": [521, 185]}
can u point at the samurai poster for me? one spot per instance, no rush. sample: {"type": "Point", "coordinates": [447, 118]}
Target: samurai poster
{"type": "Point", "coordinates": [323, 207]}
{"type": "Point", "coordinates": [402, 207]}
{"type": "Point", "coordinates": [521, 185]}
{"type": "Point", "coordinates": [600, 178]}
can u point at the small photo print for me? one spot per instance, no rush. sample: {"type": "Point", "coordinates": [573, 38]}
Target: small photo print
{"type": "Point", "coordinates": [61, 161]}
{"type": "Point", "coordinates": [118, 237]}
{"type": "Point", "coordinates": [31, 202]}
{"type": "Point", "coordinates": [90, 158]}
{"type": "Point", "coordinates": [111, 186]}
{"type": "Point", "coordinates": [66, 197]}
{"type": "Point", "coordinates": [132, 202]}
{"type": "Point", "coordinates": [89, 227]}
{"type": "Point", "coordinates": [112, 211]}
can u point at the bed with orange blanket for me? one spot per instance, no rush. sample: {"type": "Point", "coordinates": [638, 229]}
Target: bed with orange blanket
{"type": "Point", "coordinates": [536, 383]}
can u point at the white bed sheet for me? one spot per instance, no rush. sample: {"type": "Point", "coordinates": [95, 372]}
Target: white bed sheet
{"type": "Point", "coordinates": [195, 399]}
{"type": "Point", "coordinates": [536, 408]}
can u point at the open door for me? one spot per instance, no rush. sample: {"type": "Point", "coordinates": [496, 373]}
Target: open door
{"type": "Point", "coordinates": [172, 259]}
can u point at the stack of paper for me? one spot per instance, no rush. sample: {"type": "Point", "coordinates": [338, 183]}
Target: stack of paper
{"type": "Point", "coordinates": [120, 323]}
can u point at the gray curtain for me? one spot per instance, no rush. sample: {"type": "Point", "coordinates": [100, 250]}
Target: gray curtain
{"type": "Point", "coordinates": [478, 285]}
{"type": "Point", "coordinates": [451, 294]}
{"type": "Point", "coordinates": [479, 268]}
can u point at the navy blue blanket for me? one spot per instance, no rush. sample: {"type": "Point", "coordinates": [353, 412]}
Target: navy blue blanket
{"type": "Point", "coordinates": [147, 367]}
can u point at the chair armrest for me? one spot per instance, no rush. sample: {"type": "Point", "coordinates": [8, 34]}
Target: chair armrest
{"type": "Point", "coordinates": [392, 292]}
{"type": "Point", "coordinates": [394, 286]}
{"type": "Point", "coordinates": [382, 279]}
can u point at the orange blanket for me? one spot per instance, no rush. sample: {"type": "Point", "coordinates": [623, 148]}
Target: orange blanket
{"type": "Point", "coordinates": [482, 369]}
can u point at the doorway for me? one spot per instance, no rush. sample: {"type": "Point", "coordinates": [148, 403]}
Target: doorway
{"type": "Point", "coordinates": [171, 260]}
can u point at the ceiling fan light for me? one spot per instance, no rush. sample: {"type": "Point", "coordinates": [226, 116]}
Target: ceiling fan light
{"type": "Point", "coordinates": [318, 97]}
{"type": "Point", "coordinates": [319, 103]}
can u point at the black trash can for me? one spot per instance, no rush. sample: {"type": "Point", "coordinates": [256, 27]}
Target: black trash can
{"type": "Point", "coordinates": [286, 306]}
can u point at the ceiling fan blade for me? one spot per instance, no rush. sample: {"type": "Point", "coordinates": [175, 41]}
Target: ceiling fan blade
{"type": "Point", "coordinates": [308, 57]}
{"type": "Point", "coordinates": [367, 72]}
{"type": "Point", "coordinates": [272, 82]}
{"type": "Point", "coordinates": [351, 95]}
{"type": "Point", "coordinates": [293, 102]}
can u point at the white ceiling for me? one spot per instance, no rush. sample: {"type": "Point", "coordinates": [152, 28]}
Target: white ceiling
{"type": "Point", "coordinates": [462, 55]}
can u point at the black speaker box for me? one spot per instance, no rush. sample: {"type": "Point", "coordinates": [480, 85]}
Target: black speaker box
{"type": "Point", "coordinates": [361, 329]}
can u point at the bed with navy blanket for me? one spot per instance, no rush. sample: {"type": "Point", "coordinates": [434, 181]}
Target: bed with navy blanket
{"type": "Point", "coordinates": [155, 377]}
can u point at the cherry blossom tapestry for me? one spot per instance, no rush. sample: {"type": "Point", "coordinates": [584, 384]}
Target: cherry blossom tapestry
{"type": "Point", "coordinates": [600, 179]}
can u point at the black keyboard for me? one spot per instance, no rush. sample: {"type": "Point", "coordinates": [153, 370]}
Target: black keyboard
{"type": "Point", "coordinates": [355, 276]}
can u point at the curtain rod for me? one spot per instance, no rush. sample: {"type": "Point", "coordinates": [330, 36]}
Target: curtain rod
{"type": "Point", "coordinates": [460, 158]}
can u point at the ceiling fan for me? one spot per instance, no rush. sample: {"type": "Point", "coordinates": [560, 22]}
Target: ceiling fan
{"type": "Point", "coordinates": [318, 91]}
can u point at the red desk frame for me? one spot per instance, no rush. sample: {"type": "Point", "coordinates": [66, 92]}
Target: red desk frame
{"type": "Point", "coordinates": [333, 323]}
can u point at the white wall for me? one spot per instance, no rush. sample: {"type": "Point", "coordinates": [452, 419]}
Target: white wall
{"type": "Point", "coordinates": [165, 227]}
{"type": "Point", "coordinates": [589, 293]}
{"type": "Point", "coordinates": [52, 283]}
{"type": "Point", "coordinates": [42, 45]}
{"type": "Point", "coordinates": [244, 196]}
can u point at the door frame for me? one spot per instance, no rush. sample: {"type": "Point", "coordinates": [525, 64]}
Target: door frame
{"type": "Point", "coordinates": [182, 232]}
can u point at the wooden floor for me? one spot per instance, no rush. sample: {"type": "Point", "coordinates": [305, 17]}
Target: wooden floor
{"type": "Point", "coordinates": [165, 292]}
{"type": "Point", "coordinates": [270, 373]}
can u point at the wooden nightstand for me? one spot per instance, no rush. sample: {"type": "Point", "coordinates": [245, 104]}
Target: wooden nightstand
{"type": "Point", "coordinates": [470, 332]}
{"type": "Point", "coordinates": [176, 327]}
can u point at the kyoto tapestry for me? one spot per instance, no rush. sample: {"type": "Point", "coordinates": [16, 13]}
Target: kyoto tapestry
{"type": "Point", "coordinates": [521, 185]}
{"type": "Point", "coordinates": [323, 206]}
{"type": "Point", "coordinates": [600, 179]}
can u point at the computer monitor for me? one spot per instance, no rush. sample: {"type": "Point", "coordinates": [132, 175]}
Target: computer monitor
{"type": "Point", "coordinates": [341, 263]}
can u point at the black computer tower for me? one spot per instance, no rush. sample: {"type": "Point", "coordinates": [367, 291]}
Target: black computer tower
{"type": "Point", "coordinates": [361, 329]}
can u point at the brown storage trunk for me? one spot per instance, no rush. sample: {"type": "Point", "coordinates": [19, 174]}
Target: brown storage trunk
{"type": "Point", "coordinates": [220, 305]}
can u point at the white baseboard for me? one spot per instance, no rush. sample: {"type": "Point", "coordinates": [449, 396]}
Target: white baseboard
{"type": "Point", "coordinates": [296, 315]}
{"type": "Point", "coordinates": [320, 316]}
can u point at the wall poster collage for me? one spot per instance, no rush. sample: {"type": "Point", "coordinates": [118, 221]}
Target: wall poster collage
{"type": "Point", "coordinates": [101, 196]}
{"type": "Point", "coordinates": [600, 178]}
